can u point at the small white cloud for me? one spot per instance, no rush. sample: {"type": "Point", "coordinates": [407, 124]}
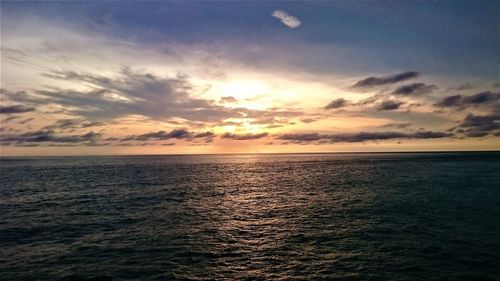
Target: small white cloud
{"type": "Point", "coordinates": [287, 19]}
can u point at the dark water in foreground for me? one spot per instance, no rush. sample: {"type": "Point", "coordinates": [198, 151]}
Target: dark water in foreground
{"type": "Point", "coordinates": [266, 217]}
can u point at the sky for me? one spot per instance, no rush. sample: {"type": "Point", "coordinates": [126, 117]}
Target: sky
{"type": "Point", "coordinates": [248, 77]}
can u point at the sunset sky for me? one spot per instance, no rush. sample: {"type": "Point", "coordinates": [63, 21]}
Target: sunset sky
{"type": "Point", "coordinates": [231, 77]}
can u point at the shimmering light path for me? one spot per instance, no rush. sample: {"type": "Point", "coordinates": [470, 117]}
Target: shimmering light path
{"type": "Point", "coordinates": [242, 217]}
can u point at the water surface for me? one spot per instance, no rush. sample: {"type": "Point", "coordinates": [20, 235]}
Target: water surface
{"type": "Point", "coordinates": [428, 216]}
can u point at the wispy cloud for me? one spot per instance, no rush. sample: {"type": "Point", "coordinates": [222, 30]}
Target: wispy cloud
{"type": "Point", "coordinates": [480, 125]}
{"type": "Point", "coordinates": [43, 136]}
{"type": "Point", "coordinates": [487, 98]}
{"type": "Point", "coordinates": [174, 134]}
{"type": "Point", "coordinates": [384, 80]}
{"type": "Point", "coordinates": [134, 92]}
{"type": "Point", "coordinates": [15, 109]}
{"type": "Point", "coordinates": [337, 103]}
{"type": "Point", "coordinates": [389, 105]}
{"type": "Point", "coordinates": [414, 89]}
{"type": "Point", "coordinates": [248, 136]}
{"type": "Point", "coordinates": [287, 19]}
{"type": "Point", "coordinates": [361, 136]}
{"type": "Point", "coordinates": [396, 125]}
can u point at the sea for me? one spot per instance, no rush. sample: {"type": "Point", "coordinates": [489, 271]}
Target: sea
{"type": "Point", "coordinates": [374, 216]}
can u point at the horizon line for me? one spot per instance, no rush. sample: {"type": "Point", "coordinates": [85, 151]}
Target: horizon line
{"type": "Point", "coordinates": [257, 153]}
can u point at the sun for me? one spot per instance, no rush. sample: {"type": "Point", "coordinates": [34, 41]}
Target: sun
{"type": "Point", "coordinates": [245, 89]}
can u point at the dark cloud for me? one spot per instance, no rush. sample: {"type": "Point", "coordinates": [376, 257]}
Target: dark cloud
{"type": "Point", "coordinates": [461, 102]}
{"type": "Point", "coordinates": [462, 87]}
{"type": "Point", "coordinates": [450, 101]}
{"type": "Point", "coordinates": [361, 136]}
{"type": "Point", "coordinates": [66, 123]}
{"type": "Point", "coordinates": [389, 105]}
{"type": "Point", "coordinates": [228, 99]}
{"type": "Point", "coordinates": [414, 89]}
{"type": "Point", "coordinates": [308, 120]}
{"type": "Point", "coordinates": [483, 97]}
{"type": "Point", "coordinates": [174, 134]}
{"type": "Point", "coordinates": [396, 125]}
{"type": "Point", "coordinates": [422, 134]}
{"type": "Point", "coordinates": [476, 134]}
{"type": "Point", "coordinates": [75, 123]}
{"type": "Point", "coordinates": [12, 109]}
{"type": "Point", "coordinates": [26, 144]}
{"type": "Point", "coordinates": [481, 122]}
{"type": "Point", "coordinates": [43, 136]}
{"type": "Point", "coordinates": [377, 81]}
{"type": "Point", "coordinates": [478, 125]}
{"type": "Point", "coordinates": [136, 93]}
{"type": "Point", "coordinates": [337, 103]}
{"type": "Point", "coordinates": [243, 136]}
{"type": "Point", "coordinates": [92, 124]}
{"type": "Point", "coordinates": [204, 135]}
{"type": "Point", "coordinates": [301, 137]}
{"type": "Point", "coordinates": [10, 118]}
{"type": "Point", "coordinates": [27, 120]}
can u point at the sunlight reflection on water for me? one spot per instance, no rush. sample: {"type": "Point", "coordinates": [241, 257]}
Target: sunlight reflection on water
{"type": "Point", "coordinates": [281, 217]}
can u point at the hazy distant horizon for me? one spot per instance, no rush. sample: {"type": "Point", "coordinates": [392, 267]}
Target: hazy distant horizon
{"type": "Point", "coordinates": [259, 153]}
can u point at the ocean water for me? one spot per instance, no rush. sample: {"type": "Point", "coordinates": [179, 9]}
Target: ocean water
{"type": "Point", "coordinates": [410, 216]}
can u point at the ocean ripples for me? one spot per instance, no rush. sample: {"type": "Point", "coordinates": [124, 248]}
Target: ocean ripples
{"type": "Point", "coordinates": [251, 217]}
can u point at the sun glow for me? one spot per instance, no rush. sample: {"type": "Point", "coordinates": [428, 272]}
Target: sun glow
{"type": "Point", "coordinates": [245, 89]}
{"type": "Point", "coordinates": [240, 126]}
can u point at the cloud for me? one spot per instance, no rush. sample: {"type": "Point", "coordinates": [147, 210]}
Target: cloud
{"type": "Point", "coordinates": [414, 89]}
{"type": "Point", "coordinates": [287, 19]}
{"type": "Point", "coordinates": [43, 136]}
{"type": "Point", "coordinates": [204, 135]}
{"type": "Point", "coordinates": [396, 125]}
{"type": "Point", "coordinates": [483, 97]}
{"type": "Point", "coordinates": [476, 126]}
{"type": "Point", "coordinates": [228, 99]}
{"type": "Point", "coordinates": [361, 136]}
{"type": "Point", "coordinates": [136, 93]}
{"type": "Point", "coordinates": [481, 122]}
{"type": "Point", "coordinates": [378, 81]}
{"type": "Point", "coordinates": [450, 101]}
{"type": "Point", "coordinates": [248, 136]}
{"type": "Point", "coordinates": [309, 120]}
{"type": "Point", "coordinates": [15, 109]}
{"type": "Point", "coordinates": [337, 103]}
{"type": "Point", "coordinates": [461, 102]}
{"type": "Point", "coordinates": [301, 137]}
{"type": "Point", "coordinates": [74, 123]}
{"type": "Point", "coordinates": [162, 135]}
{"type": "Point", "coordinates": [429, 135]}
{"type": "Point", "coordinates": [462, 87]}
{"type": "Point", "coordinates": [389, 105]}
{"type": "Point", "coordinates": [476, 134]}
{"type": "Point", "coordinates": [10, 118]}
{"type": "Point", "coordinates": [27, 120]}
{"type": "Point", "coordinates": [92, 124]}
